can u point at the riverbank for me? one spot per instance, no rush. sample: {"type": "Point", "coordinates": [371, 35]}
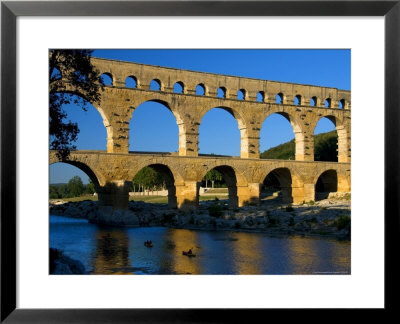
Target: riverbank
{"type": "Point", "coordinates": [330, 216]}
{"type": "Point", "coordinates": [59, 263]}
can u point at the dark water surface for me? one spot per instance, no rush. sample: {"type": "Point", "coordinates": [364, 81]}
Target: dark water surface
{"type": "Point", "coordinates": [107, 250]}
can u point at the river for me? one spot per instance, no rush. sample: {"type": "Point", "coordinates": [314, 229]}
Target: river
{"type": "Point", "coordinates": [110, 250]}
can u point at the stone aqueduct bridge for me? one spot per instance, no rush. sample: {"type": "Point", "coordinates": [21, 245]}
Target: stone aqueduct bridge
{"type": "Point", "coordinates": [113, 170]}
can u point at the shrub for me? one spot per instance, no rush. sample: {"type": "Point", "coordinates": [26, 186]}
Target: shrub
{"type": "Point", "coordinates": [342, 221]}
{"type": "Point", "coordinates": [215, 210]}
{"type": "Point", "coordinates": [273, 221]}
{"type": "Point", "coordinates": [291, 221]}
{"type": "Point", "coordinates": [289, 208]}
{"type": "Point", "coordinates": [167, 218]}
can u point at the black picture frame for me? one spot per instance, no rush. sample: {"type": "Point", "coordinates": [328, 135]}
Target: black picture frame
{"type": "Point", "coordinates": [10, 10]}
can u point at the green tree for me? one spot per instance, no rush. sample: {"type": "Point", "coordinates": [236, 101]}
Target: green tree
{"type": "Point", "coordinates": [90, 188]}
{"type": "Point", "coordinates": [326, 147]}
{"type": "Point", "coordinates": [72, 79]}
{"type": "Point", "coordinates": [148, 178]}
{"type": "Point", "coordinates": [75, 187]}
{"type": "Point", "coordinates": [62, 191]}
{"type": "Point", "coordinates": [53, 192]}
{"type": "Point", "coordinates": [213, 175]}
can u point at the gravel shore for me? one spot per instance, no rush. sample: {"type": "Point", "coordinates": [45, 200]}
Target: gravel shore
{"type": "Point", "coordinates": [331, 216]}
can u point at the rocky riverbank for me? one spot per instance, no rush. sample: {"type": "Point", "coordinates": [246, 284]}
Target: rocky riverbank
{"type": "Point", "coordinates": [63, 264]}
{"type": "Point", "coordinates": [326, 217]}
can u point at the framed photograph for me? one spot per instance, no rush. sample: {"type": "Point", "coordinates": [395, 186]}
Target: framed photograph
{"type": "Point", "coordinates": [186, 55]}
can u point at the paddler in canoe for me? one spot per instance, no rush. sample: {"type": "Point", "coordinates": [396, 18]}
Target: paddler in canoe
{"type": "Point", "coordinates": [148, 243]}
{"type": "Point", "coordinates": [189, 253]}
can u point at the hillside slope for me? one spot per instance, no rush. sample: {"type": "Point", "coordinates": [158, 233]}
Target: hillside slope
{"type": "Point", "coordinates": [325, 146]}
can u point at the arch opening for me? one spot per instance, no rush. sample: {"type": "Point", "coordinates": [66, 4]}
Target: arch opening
{"type": "Point", "coordinates": [277, 137]}
{"type": "Point", "coordinates": [225, 176]}
{"type": "Point", "coordinates": [155, 85]}
{"type": "Point", "coordinates": [277, 186]}
{"type": "Point", "coordinates": [93, 129]}
{"type": "Point", "coordinates": [297, 100]}
{"type": "Point", "coordinates": [328, 103]}
{"type": "Point", "coordinates": [200, 90]}
{"type": "Point", "coordinates": [279, 98]}
{"type": "Point", "coordinates": [221, 92]}
{"type": "Point", "coordinates": [241, 94]}
{"type": "Point", "coordinates": [341, 103]}
{"type": "Point", "coordinates": [55, 74]}
{"type": "Point", "coordinates": [153, 128]}
{"type": "Point", "coordinates": [220, 133]}
{"type": "Point", "coordinates": [131, 82]}
{"type": "Point", "coordinates": [260, 96]}
{"type": "Point", "coordinates": [107, 79]}
{"type": "Point", "coordinates": [326, 140]}
{"type": "Point", "coordinates": [155, 180]}
{"type": "Point", "coordinates": [327, 183]}
{"type": "Point", "coordinates": [313, 102]}
{"type": "Point", "coordinates": [178, 87]}
{"type": "Point", "coordinates": [70, 179]}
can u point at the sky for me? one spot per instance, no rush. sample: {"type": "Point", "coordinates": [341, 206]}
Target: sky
{"type": "Point", "coordinates": [153, 127]}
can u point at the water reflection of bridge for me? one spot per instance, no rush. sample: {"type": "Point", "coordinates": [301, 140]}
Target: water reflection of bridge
{"type": "Point", "coordinates": [118, 251]}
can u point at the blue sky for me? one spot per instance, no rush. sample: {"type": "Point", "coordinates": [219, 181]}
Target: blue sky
{"type": "Point", "coordinates": [153, 127]}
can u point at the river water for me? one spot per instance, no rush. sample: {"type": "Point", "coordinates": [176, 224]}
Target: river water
{"type": "Point", "coordinates": [108, 250]}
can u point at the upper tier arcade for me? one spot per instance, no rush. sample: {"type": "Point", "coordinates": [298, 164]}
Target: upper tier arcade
{"type": "Point", "coordinates": [249, 101]}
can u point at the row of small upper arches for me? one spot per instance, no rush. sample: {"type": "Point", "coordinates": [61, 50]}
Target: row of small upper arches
{"type": "Point", "coordinates": [155, 85]}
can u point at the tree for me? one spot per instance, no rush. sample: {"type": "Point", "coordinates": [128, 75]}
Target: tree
{"type": "Point", "coordinates": [62, 191]}
{"type": "Point", "coordinates": [53, 192]}
{"type": "Point", "coordinates": [90, 188]}
{"type": "Point", "coordinates": [75, 187]}
{"type": "Point", "coordinates": [148, 178]}
{"type": "Point", "coordinates": [213, 175]}
{"type": "Point", "coordinates": [326, 147]}
{"type": "Point", "coordinates": [72, 79]}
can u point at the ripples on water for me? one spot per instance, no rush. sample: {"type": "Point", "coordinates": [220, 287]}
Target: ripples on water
{"type": "Point", "coordinates": [107, 250]}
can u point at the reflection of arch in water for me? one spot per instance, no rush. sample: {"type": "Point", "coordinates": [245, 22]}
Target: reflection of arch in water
{"type": "Point", "coordinates": [247, 254]}
{"type": "Point", "coordinates": [304, 258]}
{"type": "Point", "coordinates": [112, 252]}
{"type": "Point", "coordinates": [183, 240]}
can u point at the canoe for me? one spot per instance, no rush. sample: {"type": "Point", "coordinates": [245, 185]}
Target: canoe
{"type": "Point", "coordinates": [148, 244]}
{"type": "Point", "coordinates": [188, 254]}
